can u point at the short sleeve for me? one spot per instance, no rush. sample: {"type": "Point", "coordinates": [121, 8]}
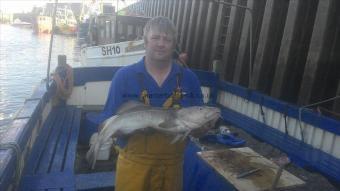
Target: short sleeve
{"type": "Point", "coordinates": [115, 97]}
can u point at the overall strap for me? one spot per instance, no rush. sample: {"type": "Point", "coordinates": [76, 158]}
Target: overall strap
{"type": "Point", "coordinates": [144, 96]}
{"type": "Point", "coordinates": [177, 94]}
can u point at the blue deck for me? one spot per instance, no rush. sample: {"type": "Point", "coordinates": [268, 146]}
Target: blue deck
{"type": "Point", "coordinates": [51, 163]}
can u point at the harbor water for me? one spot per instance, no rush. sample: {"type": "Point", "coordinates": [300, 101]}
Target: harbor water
{"type": "Point", "coordinates": [23, 64]}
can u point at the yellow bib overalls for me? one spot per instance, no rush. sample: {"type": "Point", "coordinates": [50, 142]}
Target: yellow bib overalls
{"type": "Point", "coordinates": [149, 162]}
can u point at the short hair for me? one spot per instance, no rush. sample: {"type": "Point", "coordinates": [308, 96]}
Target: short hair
{"type": "Point", "coordinates": [162, 24]}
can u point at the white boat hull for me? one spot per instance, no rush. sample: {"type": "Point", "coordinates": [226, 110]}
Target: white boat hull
{"type": "Point", "coordinates": [117, 54]}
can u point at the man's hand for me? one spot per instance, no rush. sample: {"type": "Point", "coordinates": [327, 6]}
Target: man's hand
{"type": "Point", "coordinates": [200, 132]}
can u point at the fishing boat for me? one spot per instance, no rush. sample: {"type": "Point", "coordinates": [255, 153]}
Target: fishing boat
{"type": "Point", "coordinates": [66, 21]}
{"type": "Point", "coordinates": [43, 148]}
{"type": "Point", "coordinates": [39, 151]}
{"type": "Point", "coordinates": [115, 54]}
{"type": "Point", "coordinates": [18, 23]}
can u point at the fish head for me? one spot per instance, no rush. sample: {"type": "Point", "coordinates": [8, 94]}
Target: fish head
{"type": "Point", "coordinates": [196, 116]}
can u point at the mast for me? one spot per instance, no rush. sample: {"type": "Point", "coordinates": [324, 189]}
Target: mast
{"type": "Point", "coordinates": [51, 43]}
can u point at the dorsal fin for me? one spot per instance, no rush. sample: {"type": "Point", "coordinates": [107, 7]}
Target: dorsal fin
{"type": "Point", "coordinates": [131, 106]}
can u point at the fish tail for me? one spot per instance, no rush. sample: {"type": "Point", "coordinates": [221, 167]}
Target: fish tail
{"type": "Point", "coordinates": [91, 155]}
{"type": "Point", "coordinates": [95, 154]}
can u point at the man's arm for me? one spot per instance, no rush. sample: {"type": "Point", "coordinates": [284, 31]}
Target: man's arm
{"type": "Point", "coordinates": [115, 97]}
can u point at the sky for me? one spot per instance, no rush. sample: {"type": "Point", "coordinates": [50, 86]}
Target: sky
{"type": "Point", "coordinates": [19, 6]}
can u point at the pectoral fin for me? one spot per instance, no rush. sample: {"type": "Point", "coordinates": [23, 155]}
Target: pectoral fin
{"type": "Point", "coordinates": [177, 138]}
{"type": "Point", "coordinates": [186, 134]}
{"type": "Point", "coordinates": [167, 125]}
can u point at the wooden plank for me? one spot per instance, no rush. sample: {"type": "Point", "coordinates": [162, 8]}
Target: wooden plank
{"type": "Point", "coordinates": [184, 27]}
{"type": "Point", "coordinates": [192, 21]}
{"type": "Point", "coordinates": [73, 140]}
{"type": "Point", "coordinates": [146, 7]}
{"type": "Point", "coordinates": [287, 52]}
{"type": "Point", "coordinates": [233, 162]}
{"type": "Point", "coordinates": [180, 16]}
{"type": "Point", "coordinates": [201, 18]}
{"type": "Point", "coordinates": [58, 159]}
{"type": "Point", "coordinates": [243, 55]}
{"type": "Point", "coordinates": [164, 8]}
{"type": "Point", "coordinates": [336, 105]}
{"type": "Point", "coordinates": [170, 9]}
{"type": "Point", "coordinates": [152, 12]}
{"type": "Point", "coordinates": [90, 181]}
{"type": "Point", "coordinates": [268, 44]}
{"type": "Point", "coordinates": [50, 181]}
{"type": "Point", "coordinates": [227, 67]}
{"type": "Point", "coordinates": [158, 10]}
{"type": "Point", "coordinates": [51, 144]}
{"type": "Point", "coordinates": [217, 33]}
{"type": "Point", "coordinates": [208, 37]}
{"type": "Point", "coordinates": [317, 45]}
{"type": "Point", "coordinates": [261, 46]}
{"type": "Point", "coordinates": [39, 145]}
{"type": "Point", "coordinates": [174, 11]}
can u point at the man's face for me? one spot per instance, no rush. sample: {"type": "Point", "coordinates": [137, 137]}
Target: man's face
{"type": "Point", "coordinates": [159, 46]}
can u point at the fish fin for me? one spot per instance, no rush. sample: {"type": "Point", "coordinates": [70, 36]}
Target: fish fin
{"type": "Point", "coordinates": [131, 106]}
{"type": "Point", "coordinates": [92, 153]}
{"type": "Point", "coordinates": [177, 138]}
{"type": "Point", "coordinates": [106, 124]}
{"type": "Point", "coordinates": [89, 155]}
{"type": "Point", "coordinates": [167, 124]}
{"type": "Point", "coordinates": [186, 134]}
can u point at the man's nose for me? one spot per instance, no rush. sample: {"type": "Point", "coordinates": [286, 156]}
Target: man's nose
{"type": "Point", "coordinates": [161, 42]}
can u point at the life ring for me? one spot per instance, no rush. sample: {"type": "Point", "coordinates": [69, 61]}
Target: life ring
{"type": "Point", "coordinates": [63, 78]}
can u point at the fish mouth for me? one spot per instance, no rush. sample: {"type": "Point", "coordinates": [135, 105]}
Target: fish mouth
{"type": "Point", "coordinates": [214, 115]}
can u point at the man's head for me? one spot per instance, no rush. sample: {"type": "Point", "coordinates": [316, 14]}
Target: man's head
{"type": "Point", "coordinates": [160, 39]}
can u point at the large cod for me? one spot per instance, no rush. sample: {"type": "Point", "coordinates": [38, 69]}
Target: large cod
{"type": "Point", "coordinates": [132, 116]}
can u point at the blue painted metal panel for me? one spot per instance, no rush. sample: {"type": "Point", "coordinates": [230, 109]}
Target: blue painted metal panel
{"type": "Point", "coordinates": [299, 152]}
{"type": "Point", "coordinates": [37, 151]}
{"type": "Point", "coordinates": [207, 78]}
{"type": "Point", "coordinates": [211, 80]}
{"type": "Point", "coordinates": [73, 140]}
{"type": "Point", "coordinates": [7, 168]}
{"type": "Point", "coordinates": [55, 149]}
{"type": "Point", "coordinates": [19, 132]}
{"type": "Point", "coordinates": [93, 74]}
{"type": "Point", "coordinates": [39, 92]}
{"type": "Point", "coordinates": [48, 181]}
{"type": "Point", "coordinates": [90, 181]}
{"type": "Point", "coordinates": [58, 159]}
{"type": "Point", "coordinates": [307, 116]}
{"type": "Point", "coordinates": [28, 109]}
{"type": "Point", "coordinates": [51, 143]}
{"type": "Point", "coordinates": [8, 160]}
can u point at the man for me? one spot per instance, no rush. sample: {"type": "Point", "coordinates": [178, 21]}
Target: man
{"type": "Point", "coordinates": [147, 161]}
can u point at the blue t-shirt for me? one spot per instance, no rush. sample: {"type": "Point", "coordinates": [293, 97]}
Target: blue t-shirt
{"type": "Point", "coordinates": [128, 83]}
